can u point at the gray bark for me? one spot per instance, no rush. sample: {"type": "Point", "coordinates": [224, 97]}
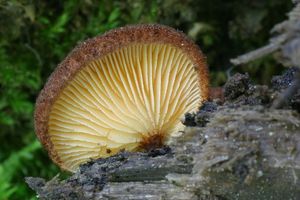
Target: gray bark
{"type": "Point", "coordinates": [248, 152]}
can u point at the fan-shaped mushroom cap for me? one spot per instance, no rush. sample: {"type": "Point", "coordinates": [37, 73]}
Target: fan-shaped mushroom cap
{"type": "Point", "coordinates": [126, 89]}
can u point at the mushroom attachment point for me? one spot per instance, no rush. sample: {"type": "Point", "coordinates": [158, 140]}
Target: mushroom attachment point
{"type": "Point", "coordinates": [124, 90]}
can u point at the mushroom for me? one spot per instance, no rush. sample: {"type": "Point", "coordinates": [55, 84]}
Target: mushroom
{"type": "Point", "coordinates": [124, 90]}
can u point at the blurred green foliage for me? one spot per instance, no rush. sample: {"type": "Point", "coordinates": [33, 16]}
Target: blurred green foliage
{"type": "Point", "coordinates": [36, 35]}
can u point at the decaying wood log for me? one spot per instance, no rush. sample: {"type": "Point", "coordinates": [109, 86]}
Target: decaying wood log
{"type": "Point", "coordinates": [244, 152]}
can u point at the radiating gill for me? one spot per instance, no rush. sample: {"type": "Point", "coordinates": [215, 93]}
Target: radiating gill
{"type": "Point", "coordinates": [119, 99]}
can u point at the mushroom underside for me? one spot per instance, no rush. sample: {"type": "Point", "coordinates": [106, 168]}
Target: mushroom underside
{"type": "Point", "coordinates": [121, 101]}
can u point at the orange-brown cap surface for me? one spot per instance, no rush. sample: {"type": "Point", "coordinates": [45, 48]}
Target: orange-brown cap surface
{"type": "Point", "coordinates": [125, 89]}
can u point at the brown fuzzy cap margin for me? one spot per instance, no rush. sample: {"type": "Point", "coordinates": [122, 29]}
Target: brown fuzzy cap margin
{"type": "Point", "coordinates": [99, 46]}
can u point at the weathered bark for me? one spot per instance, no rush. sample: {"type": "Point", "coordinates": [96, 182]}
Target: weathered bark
{"type": "Point", "coordinates": [244, 152]}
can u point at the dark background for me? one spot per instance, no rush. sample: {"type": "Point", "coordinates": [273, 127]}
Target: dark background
{"type": "Point", "coordinates": [36, 35]}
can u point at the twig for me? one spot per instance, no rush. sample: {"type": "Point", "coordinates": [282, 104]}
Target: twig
{"type": "Point", "coordinates": [253, 55]}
